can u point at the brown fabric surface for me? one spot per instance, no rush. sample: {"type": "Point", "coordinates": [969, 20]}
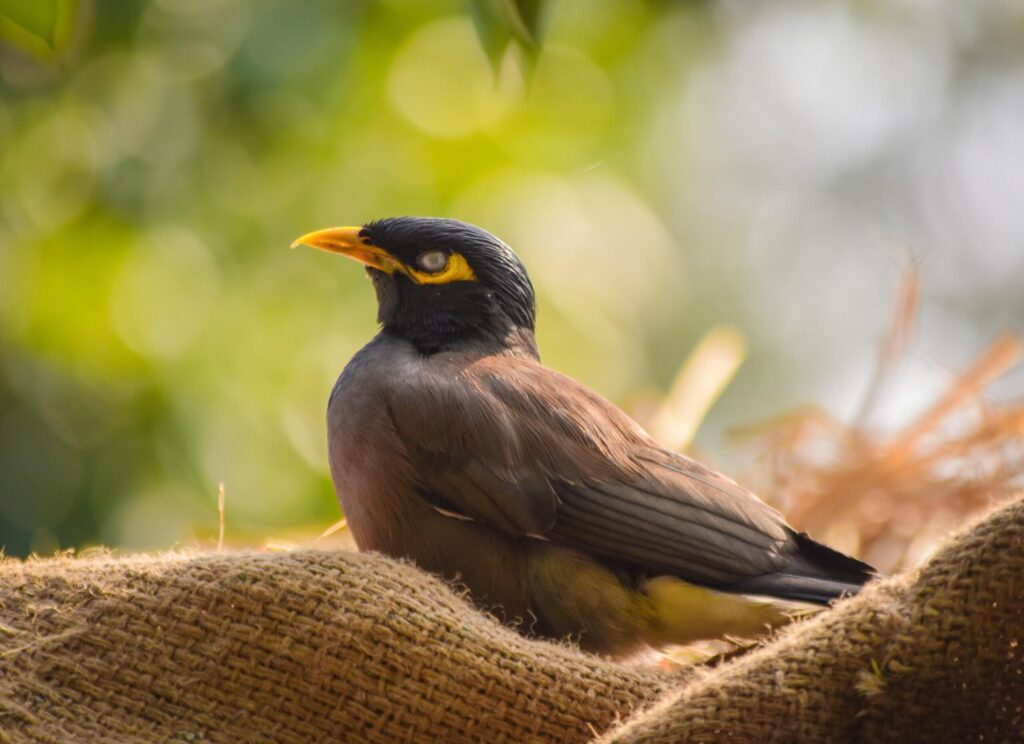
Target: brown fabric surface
{"type": "Point", "coordinates": [934, 656]}
{"type": "Point", "coordinates": [327, 646]}
{"type": "Point", "coordinates": [294, 647]}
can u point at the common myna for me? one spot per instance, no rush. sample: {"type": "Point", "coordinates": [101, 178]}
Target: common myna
{"type": "Point", "coordinates": [452, 445]}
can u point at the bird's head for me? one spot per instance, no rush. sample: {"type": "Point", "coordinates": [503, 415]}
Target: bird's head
{"type": "Point", "coordinates": [440, 283]}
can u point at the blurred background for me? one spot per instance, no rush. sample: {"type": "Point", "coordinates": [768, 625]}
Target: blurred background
{"type": "Point", "coordinates": [754, 181]}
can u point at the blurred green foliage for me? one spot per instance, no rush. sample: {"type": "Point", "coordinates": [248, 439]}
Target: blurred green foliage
{"type": "Point", "coordinates": [157, 337]}
{"type": "Point", "coordinates": [40, 27]}
{"type": "Point", "coordinates": [500, 23]}
{"type": "Point", "coordinates": [38, 17]}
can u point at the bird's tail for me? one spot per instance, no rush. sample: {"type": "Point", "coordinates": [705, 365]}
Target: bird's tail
{"type": "Point", "coordinates": [816, 573]}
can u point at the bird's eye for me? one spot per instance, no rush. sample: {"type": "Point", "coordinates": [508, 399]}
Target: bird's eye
{"type": "Point", "coordinates": [432, 261]}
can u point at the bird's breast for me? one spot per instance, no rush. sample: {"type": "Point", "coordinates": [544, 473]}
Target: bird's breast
{"type": "Point", "coordinates": [376, 482]}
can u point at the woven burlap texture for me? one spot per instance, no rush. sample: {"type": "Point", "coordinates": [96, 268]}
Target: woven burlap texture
{"type": "Point", "coordinates": [333, 646]}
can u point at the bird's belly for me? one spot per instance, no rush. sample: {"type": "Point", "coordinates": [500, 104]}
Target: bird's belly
{"type": "Point", "coordinates": [576, 596]}
{"type": "Point", "coordinates": [487, 563]}
{"type": "Point", "coordinates": [401, 524]}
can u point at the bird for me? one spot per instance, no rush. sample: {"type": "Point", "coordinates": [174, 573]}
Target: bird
{"type": "Point", "coordinates": [451, 445]}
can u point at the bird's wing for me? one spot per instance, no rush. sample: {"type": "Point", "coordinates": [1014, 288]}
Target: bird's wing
{"type": "Point", "coordinates": [528, 451]}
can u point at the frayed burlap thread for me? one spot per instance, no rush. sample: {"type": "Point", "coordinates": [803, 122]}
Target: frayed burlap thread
{"type": "Point", "coordinates": [332, 646]}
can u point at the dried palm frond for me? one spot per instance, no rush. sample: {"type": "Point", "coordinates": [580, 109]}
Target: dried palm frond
{"type": "Point", "coordinates": [890, 498]}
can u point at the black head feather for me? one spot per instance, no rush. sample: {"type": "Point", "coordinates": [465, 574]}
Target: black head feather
{"type": "Point", "coordinates": [497, 305]}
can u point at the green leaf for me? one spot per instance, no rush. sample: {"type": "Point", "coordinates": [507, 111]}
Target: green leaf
{"type": "Point", "coordinates": [531, 15]}
{"type": "Point", "coordinates": [37, 17]}
{"type": "Point", "coordinates": [490, 29]}
{"type": "Point", "coordinates": [502, 22]}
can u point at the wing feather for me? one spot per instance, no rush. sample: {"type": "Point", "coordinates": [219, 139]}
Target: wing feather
{"type": "Point", "coordinates": [528, 451]}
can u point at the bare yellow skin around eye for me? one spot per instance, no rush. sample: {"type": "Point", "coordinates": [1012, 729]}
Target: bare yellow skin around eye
{"type": "Point", "coordinates": [457, 270]}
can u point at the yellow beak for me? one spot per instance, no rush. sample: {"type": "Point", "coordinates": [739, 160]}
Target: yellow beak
{"type": "Point", "coordinates": [346, 241]}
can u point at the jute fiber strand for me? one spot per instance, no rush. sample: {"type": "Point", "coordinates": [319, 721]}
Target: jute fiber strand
{"type": "Point", "coordinates": [331, 646]}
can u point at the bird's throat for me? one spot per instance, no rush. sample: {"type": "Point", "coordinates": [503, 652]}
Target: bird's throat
{"type": "Point", "coordinates": [449, 318]}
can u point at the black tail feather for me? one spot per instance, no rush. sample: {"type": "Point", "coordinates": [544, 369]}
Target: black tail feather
{"type": "Point", "coordinates": [828, 563]}
{"type": "Point", "coordinates": [816, 573]}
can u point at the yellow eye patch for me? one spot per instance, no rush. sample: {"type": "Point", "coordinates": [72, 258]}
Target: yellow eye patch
{"type": "Point", "coordinates": [457, 270]}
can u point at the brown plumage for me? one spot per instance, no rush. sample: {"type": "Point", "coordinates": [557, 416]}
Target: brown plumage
{"type": "Point", "coordinates": [450, 444]}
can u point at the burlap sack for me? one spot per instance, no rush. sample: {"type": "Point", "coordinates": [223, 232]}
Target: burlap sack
{"type": "Point", "coordinates": [315, 645]}
{"type": "Point", "coordinates": [934, 656]}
